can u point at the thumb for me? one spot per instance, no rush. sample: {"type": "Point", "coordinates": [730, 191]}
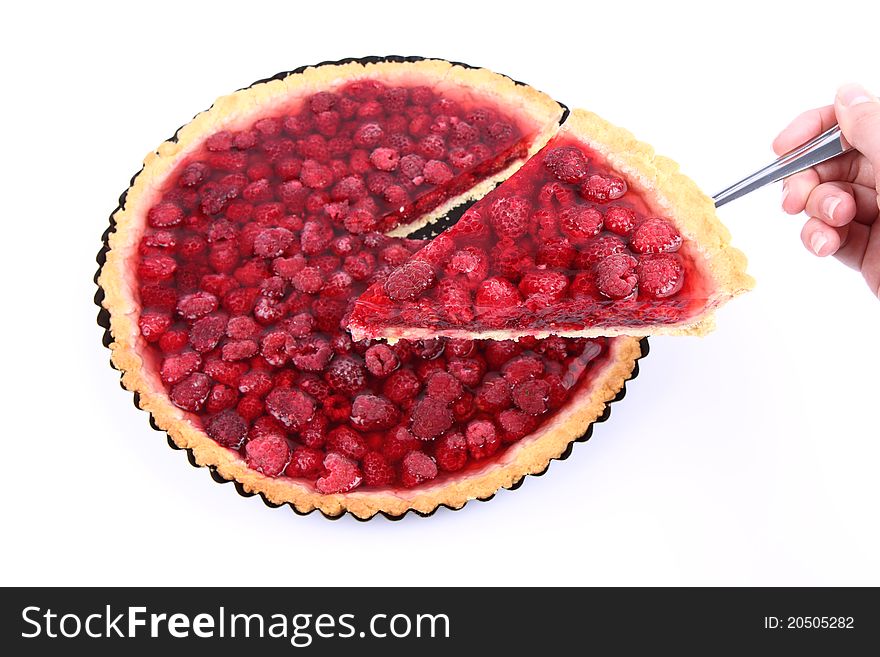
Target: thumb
{"type": "Point", "coordinates": [858, 113]}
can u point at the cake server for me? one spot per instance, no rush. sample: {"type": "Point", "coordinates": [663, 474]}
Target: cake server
{"type": "Point", "coordinates": [828, 145]}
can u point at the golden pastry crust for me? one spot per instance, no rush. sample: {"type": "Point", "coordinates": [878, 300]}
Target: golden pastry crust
{"type": "Point", "coordinates": [117, 280]}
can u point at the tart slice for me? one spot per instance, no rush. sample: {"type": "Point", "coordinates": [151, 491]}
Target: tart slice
{"type": "Point", "coordinates": [594, 236]}
{"type": "Point", "coordinates": [243, 243]}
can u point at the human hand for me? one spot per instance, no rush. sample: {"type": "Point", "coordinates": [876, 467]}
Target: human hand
{"type": "Point", "coordinates": [841, 195]}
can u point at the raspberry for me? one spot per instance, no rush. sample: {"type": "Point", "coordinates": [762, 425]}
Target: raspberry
{"type": "Point", "coordinates": [615, 276]}
{"type": "Point", "coordinates": [268, 454]}
{"type": "Point", "coordinates": [220, 398]}
{"type": "Point", "coordinates": [381, 360]}
{"type": "Point", "coordinates": [398, 443]}
{"type": "Point", "coordinates": [396, 196]}
{"type": "Point", "coordinates": [192, 246]}
{"type": "Point", "coordinates": [304, 462]}
{"type": "Point", "coordinates": [567, 163]}
{"type": "Point", "coordinates": [463, 408]}
{"type": "Point", "coordinates": [176, 368]}
{"type": "Point", "coordinates": [157, 268]}
{"type": "Point", "coordinates": [255, 382]}
{"type": "Point", "coordinates": [443, 387]}
{"type": "Point", "coordinates": [316, 236]}
{"type": "Point", "coordinates": [655, 235]}
{"type": "Point", "coordinates": [371, 413]}
{"type": "Point", "coordinates": [315, 175]}
{"type": "Point", "coordinates": [551, 283]}
{"type": "Point", "coordinates": [497, 293]}
{"type": "Point", "coordinates": [173, 341]}
{"type": "Point", "coordinates": [515, 424]}
{"type": "Point", "coordinates": [349, 188]}
{"type": "Point", "coordinates": [459, 347]}
{"type": "Point", "coordinates": [500, 131]}
{"type": "Point", "coordinates": [469, 371]}
{"type": "Point", "coordinates": [411, 168]}
{"type": "Point", "coordinates": [369, 135]}
{"type": "Point", "coordinates": [385, 159]}
{"type": "Point", "coordinates": [342, 475]}
{"type": "Point", "coordinates": [206, 332]}
{"type": "Point", "coordinates": [197, 305]}
{"type": "Point", "coordinates": [359, 266]}
{"type": "Point", "coordinates": [437, 172]}
{"type": "Point", "coordinates": [256, 192]}
{"type": "Point", "coordinates": [337, 408]}
{"type": "Point", "coordinates": [409, 280]}
{"type": "Point", "coordinates": [509, 216]}
{"type": "Point", "coordinates": [470, 261]}
{"type": "Point", "coordinates": [338, 284]}
{"type": "Point", "coordinates": [451, 452]}
{"type": "Point", "coordinates": [432, 147]}
{"type": "Point", "coordinates": [292, 408]}
{"type": "Point", "coordinates": [194, 174]}
{"type": "Point", "coordinates": [308, 280]}
{"type": "Point", "coordinates": [464, 133]}
{"type": "Point", "coordinates": [531, 396]}
{"type": "Point", "coordinates": [499, 352]}
{"type": "Point", "coordinates": [600, 188]}
{"type": "Point", "coordinates": [269, 311]}
{"type": "Point", "coordinates": [163, 215]}
{"type": "Point", "coordinates": [461, 158]}
{"type": "Point", "coordinates": [660, 275]}
{"type": "Point", "coordinates": [312, 355]}
{"type": "Point", "coordinates": [580, 222]}
{"type": "Point", "coordinates": [250, 407]}
{"type": "Point", "coordinates": [416, 468]}
{"type": "Point", "coordinates": [245, 139]}
{"type": "Point", "coordinates": [272, 242]}
{"type": "Point", "coordinates": [430, 418]}
{"type": "Point", "coordinates": [557, 252]}
{"type": "Point", "coordinates": [597, 249]}
{"type": "Point", "coordinates": [293, 193]}
{"type": "Point", "coordinates": [323, 101]}
{"type": "Point", "coordinates": [315, 434]}
{"type": "Point", "coordinates": [620, 220]}
{"type": "Point", "coordinates": [299, 125]}
{"type": "Point", "coordinates": [327, 123]}
{"type": "Point", "coordinates": [224, 257]}
{"type": "Point", "coordinates": [153, 325]}
{"type": "Point", "coordinates": [347, 442]}
{"type": "Point", "coordinates": [328, 313]}
{"type": "Point", "coordinates": [482, 439]}
{"type": "Point", "coordinates": [521, 369]}
{"type": "Point", "coordinates": [346, 375]}
{"type": "Point", "coordinates": [223, 372]}
{"type": "Point", "coordinates": [377, 470]}
{"type": "Point", "coordinates": [584, 286]}
{"type": "Point", "coordinates": [192, 392]}
{"type": "Point", "coordinates": [239, 350]}
{"type": "Point", "coordinates": [273, 287]}
{"type": "Point", "coordinates": [402, 386]}
{"type": "Point", "coordinates": [227, 428]}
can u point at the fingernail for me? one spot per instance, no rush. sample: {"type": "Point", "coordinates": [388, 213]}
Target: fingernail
{"type": "Point", "coordinates": [817, 241]}
{"type": "Point", "coordinates": [829, 205]}
{"type": "Point", "coordinates": [784, 192]}
{"type": "Point", "coordinates": [853, 94]}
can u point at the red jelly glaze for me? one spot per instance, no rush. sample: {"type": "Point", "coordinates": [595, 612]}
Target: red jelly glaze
{"type": "Point", "coordinates": [260, 243]}
{"type": "Point", "coordinates": [564, 244]}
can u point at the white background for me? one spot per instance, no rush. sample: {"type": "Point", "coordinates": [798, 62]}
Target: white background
{"type": "Point", "coordinates": [747, 457]}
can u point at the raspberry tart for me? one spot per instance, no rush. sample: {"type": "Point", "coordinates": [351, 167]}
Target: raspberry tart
{"type": "Point", "coordinates": [234, 260]}
{"type": "Point", "coordinates": [594, 236]}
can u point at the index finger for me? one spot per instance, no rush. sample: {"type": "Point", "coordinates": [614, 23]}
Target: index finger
{"type": "Point", "coordinates": [804, 128]}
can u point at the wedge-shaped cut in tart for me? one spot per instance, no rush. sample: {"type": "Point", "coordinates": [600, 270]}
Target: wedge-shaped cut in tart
{"type": "Point", "coordinates": [595, 235]}
{"type": "Point", "coordinates": [242, 245]}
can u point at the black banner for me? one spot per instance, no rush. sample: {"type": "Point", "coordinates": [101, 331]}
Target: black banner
{"type": "Point", "coordinates": [434, 621]}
